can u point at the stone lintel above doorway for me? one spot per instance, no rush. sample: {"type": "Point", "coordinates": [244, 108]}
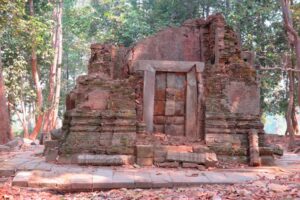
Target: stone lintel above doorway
{"type": "Point", "coordinates": [167, 65]}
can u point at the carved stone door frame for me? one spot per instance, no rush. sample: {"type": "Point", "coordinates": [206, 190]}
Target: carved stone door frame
{"type": "Point", "coordinates": [194, 93]}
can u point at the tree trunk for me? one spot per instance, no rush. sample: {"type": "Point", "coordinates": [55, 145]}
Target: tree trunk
{"type": "Point", "coordinates": [55, 70]}
{"type": "Point", "coordinates": [290, 126]}
{"type": "Point", "coordinates": [5, 128]}
{"type": "Point", "coordinates": [36, 79]}
{"type": "Point", "coordinates": [294, 119]}
{"type": "Point", "coordinates": [290, 108]}
{"type": "Point", "coordinates": [59, 64]}
{"type": "Point", "coordinates": [293, 37]}
{"type": "Point", "coordinates": [24, 121]}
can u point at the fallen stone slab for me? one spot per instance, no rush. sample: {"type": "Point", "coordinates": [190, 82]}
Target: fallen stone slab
{"type": "Point", "coordinates": [105, 160]}
{"type": "Point", "coordinates": [80, 182]}
{"type": "Point", "coordinates": [102, 179]}
{"type": "Point", "coordinates": [30, 165]}
{"type": "Point", "coordinates": [21, 179]}
{"type": "Point", "coordinates": [278, 188]}
{"type": "Point", "coordinates": [50, 180]}
{"type": "Point", "coordinates": [4, 148]}
{"type": "Point", "coordinates": [192, 165]}
{"type": "Point", "coordinates": [2, 181]}
{"type": "Point", "coordinates": [161, 179]}
{"type": "Point", "coordinates": [267, 160]}
{"type": "Point", "coordinates": [238, 177]}
{"type": "Point", "coordinates": [123, 179]}
{"type": "Point", "coordinates": [142, 180]}
{"type": "Point", "coordinates": [168, 164]}
{"type": "Point", "coordinates": [208, 159]}
{"type": "Point", "coordinates": [183, 179]}
{"type": "Point", "coordinates": [7, 171]}
{"type": "Point", "coordinates": [17, 142]}
{"type": "Point", "coordinates": [216, 177]}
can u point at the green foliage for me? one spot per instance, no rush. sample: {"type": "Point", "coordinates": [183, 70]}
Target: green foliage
{"type": "Point", "coordinates": [258, 23]}
{"type": "Point", "coordinates": [20, 33]}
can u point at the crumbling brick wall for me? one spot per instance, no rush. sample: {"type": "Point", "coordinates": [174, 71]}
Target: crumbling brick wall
{"type": "Point", "coordinates": [104, 111]}
{"type": "Point", "coordinates": [231, 104]}
{"type": "Point", "coordinates": [101, 113]}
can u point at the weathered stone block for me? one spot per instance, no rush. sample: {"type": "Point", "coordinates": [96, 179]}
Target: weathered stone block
{"type": "Point", "coordinates": [208, 159]}
{"type": "Point", "coordinates": [144, 161]}
{"type": "Point", "coordinates": [144, 151]}
{"type": "Point", "coordinates": [201, 149]}
{"type": "Point", "coordinates": [120, 150]}
{"type": "Point", "coordinates": [84, 121]}
{"type": "Point", "coordinates": [124, 139]}
{"type": "Point", "coordinates": [253, 148]}
{"type": "Point", "coordinates": [168, 164]}
{"type": "Point", "coordinates": [159, 155]}
{"type": "Point", "coordinates": [220, 139]}
{"type": "Point", "coordinates": [174, 130]}
{"type": "Point", "coordinates": [118, 122]}
{"type": "Point", "coordinates": [107, 160]}
{"type": "Point", "coordinates": [67, 159]}
{"type": "Point", "coordinates": [189, 165]}
{"type": "Point", "coordinates": [170, 107]}
{"type": "Point", "coordinates": [160, 159]}
{"type": "Point", "coordinates": [159, 107]}
{"type": "Point", "coordinates": [80, 182]}
{"type": "Point", "coordinates": [159, 128]}
{"type": "Point", "coordinates": [233, 159]}
{"type": "Point", "coordinates": [160, 81]}
{"type": "Point", "coordinates": [4, 148]}
{"type": "Point", "coordinates": [175, 94]}
{"type": "Point", "coordinates": [51, 155]}
{"type": "Point", "coordinates": [180, 108]}
{"type": "Point", "coordinates": [159, 120]}
{"type": "Point", "coordinates": [228, 150]}
{"type": "Point", "coordinates": [51, 143]}
{"type": "Point", "coordinates": [180, 148]}
{"type": "Point", "coordinates": [242, 98]}
{"type": "Point", "coordinates": [21, 179]}
{"type": "Point", "coordinates": [160, 151]}
{"type": "Point", "coordinates": [277, 150]}
{"type": "Point", "coordinates": [85, 128]}
{"type": "Point", "coordinates": [106, 135]}
{"type": "Point", "coordinates": [267, 160]}
{"type": "Point", "coordinates": [119, 129]}
{"type": "Point", "coordinates": [265, 151]}
{"type": "Point", "coordinates": [160, 95]}
{"type": "Point", "coordinates": [175, 120]}
{"type": "Point", "coordinates": [97, 100]}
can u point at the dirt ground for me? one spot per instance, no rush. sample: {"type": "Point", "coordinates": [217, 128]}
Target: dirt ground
{"type": "Point", "coordinates": [278, 187]}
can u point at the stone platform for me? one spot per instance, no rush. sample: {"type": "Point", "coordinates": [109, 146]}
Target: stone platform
{"type": "Point", "coordinates": [83, 179]}
{"type": "Point", "coordinates": [29, 169]}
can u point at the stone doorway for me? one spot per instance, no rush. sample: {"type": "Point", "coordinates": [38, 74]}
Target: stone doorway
{"type": "Point", "coordinates": [172, 97]}
{"type": "Point", "coordinates": [169, 103]}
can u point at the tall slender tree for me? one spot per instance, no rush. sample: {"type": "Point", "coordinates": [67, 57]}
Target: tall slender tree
{"type": "Point", "coordinates": [5, 129]}
{"type": "Point", "coordinates": [55, 70]}
{"type": "Point", "coordinates": [36, 80]}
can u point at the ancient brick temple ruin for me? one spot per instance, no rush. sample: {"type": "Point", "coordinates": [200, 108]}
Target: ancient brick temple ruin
{"type": "Point", "coordinates": [184, 96]}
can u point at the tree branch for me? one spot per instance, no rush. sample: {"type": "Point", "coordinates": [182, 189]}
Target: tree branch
{"type": "Point", "coordinates": [278, 68]}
